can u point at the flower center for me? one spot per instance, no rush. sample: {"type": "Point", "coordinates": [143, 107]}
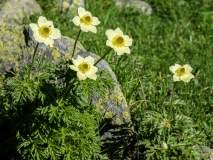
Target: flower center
{"type": "Point", "coordinates": [86, 19]}
{"type": "Point", "coordinates": [45, 31]}
{"type": "Point", "coordinates": [180, 71]}
{"type": "Point", "coordinates": [84, 67]}
{"type": "Point", "coordinates": [166, 124]}
{"type": "Point", "coordinates": [118, 41]}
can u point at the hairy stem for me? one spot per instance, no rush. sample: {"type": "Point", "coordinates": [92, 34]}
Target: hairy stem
{"type": "Point", "coordinates": [31, 66]}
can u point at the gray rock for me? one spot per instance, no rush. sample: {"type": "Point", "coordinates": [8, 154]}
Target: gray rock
{"type": "Point", "coordinates": [17, 46]}
{"type": "Point", "coordinates": [145, 7]}
{"type": "Point", "coordinates": [13, 11]}
{"type": "Point", "coordinates": [71, 5]}
{"type": "Point", "coordinates": [204, 152]}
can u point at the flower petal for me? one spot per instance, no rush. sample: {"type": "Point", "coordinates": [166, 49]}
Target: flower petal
{"type": "Point", "coordinates": [118, 31]}
{"type": "Point", "coordinates": [188, 68]}
{"type": "Point", "coordinates": [95, 21]}
{"type": "Point", "coordinates": [176, 78]}
{"type": "Point", "coordinates": [34, 27]}
{"type": "Point", "coordinates": [91, 74]}
{"type": "Point", "coordinates": [78, 61]}
{"type": "Point", "coordinates": [48, 42]}
{"type": "Point", "coordinates": [89, 60]}
{"type": "Point", "coordinates": [86, 28]}
{"type": "Point", "coordinates": [110, 34]}
{"type": "Point", "coordinates": [94, 69]}
{"type": "Point", "coordinates": [109, 43]}
{"type": "Point", "coordinates": [42, 21]}
{"type": "Point", "coordinates": [174, 68]}
{"type": "Point", "coordinates": [122, 50]}
{"type": "Point", "coordinates": [81, 11]}
{"type": "Point", "coordinates": [88, 13]}
{"type": "Point", "coordinates": [38, 37]}
{"type": "Point", "coordinates": [128, 41]}
{"type": "Point", "coordinates": [187, 77]}
{"type": "Point", "coordinates": [81, 76]}
{"type": "Point", "coordinates": [56, 34]}
{"type": "Point", "coordinates": [74, 68]}
{"type": "Point", "coordinates": [50, 23]}
{"type": "Point", "coordinates": [92, 29]}
{"type": "Point", "coordinates": [76, 20]}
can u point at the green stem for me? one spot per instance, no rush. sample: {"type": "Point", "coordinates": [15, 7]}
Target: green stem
{"type": "Point", "coordinates": [31, 66]}
{"type": "Point", "coordinates": [64, 94]}
{"type": "Point", "coordinates": [108, 51]}
{"type": "Point", "coordinates": [171, 109]}
{"type": "Point", "coordinates": [76, 42]}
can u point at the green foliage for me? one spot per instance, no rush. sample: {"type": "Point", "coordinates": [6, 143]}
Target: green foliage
{"type": "Point", "coordinates": [168, 125]}
{"type": "Point", "coordinates": [35, 126]}
{"type": "Point", "coordinates": [178, 31]}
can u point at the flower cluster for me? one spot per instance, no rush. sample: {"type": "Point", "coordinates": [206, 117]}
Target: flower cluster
{"type": "Point", "coordinates": [45, 32]}
{"type": "Point", "coordinates": [116, 40]}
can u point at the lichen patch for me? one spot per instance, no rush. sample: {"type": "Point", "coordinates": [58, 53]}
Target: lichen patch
{"type": "Point", "coordinates": [126, 115]}
{"type": "Point", "coordinates": [108, 115]}
{"type": "Point", "coordinates": [117, 96]}
{"type": "Point", "coordinates": [118, 121]}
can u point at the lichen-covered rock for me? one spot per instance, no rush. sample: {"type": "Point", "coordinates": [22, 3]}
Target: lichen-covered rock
{"type": "Point", "coordinates": [204, 152]}
{"type": "Point", "coordinates": [16, 49]}
{"type": "Point", "coordinates": [71, 5]}
{"type": "Point", "coordinates": [145, 7]}
{"type": "Point", "coordinates": [13, 11]}
{"type": "Point", "coordinates": [17, 45]}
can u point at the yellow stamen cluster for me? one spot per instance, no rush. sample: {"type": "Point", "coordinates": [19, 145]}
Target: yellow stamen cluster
{"type": "Point", "coordinates": [84, 67]}
{"type": "Point", "coordinates": [86, 19]}
{"type": "Point", "coordinates": [45, 31]}
{"type": "Point", "coordinates": [118, 41]}
{"type": "Point", "coordinates": [166, 124]}
{"type": "Point", "coordinates": [180, 71]}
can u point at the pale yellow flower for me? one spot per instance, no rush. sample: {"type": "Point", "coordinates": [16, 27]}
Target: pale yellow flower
{"type": "Point", "coordinates": [84, 67]}
{"type": "Point", "coordinates": [164, 145]}
{"type": "Point", "coordinates": [118, 41]}
{"type": "Point", "coordinates": [181, 72]}
{"type": "Point", "coordinates": [86, 21]}
{"type": "Point", "coordinates": [44, 31]}
{"type": "Point", "coordinates": [165, 123]}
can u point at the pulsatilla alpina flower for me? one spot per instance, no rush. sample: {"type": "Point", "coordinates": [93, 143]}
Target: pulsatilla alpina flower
{"type": "Point", "coordinates": [44, 31]}
{"type": "Point", "coordinates": [84, 67]}
{"type": "Point", "coordinates": [86, 21]}
{"type": "Point", "coordinates": [181, 72]}
{"type": "Point", "coordinates": [118, 41]}
{"type": "Point", "coordinates": [164, 145]}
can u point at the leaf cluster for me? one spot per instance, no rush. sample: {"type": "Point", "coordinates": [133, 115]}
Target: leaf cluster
{"type": "Point", "coordinates": [35, 126]}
